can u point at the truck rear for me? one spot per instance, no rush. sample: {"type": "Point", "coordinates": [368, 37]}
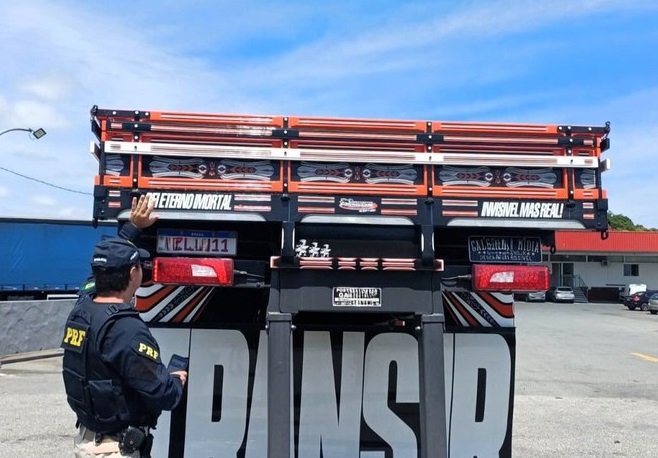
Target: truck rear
{"type": "Point", "coordinates": [343, 287]}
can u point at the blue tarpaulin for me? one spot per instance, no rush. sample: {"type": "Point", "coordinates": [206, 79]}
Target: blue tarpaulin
{"type": "Point", "coordinates": [47, 254]}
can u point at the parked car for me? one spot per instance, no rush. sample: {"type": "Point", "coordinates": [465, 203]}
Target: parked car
{"type": "Point", "coordinates": [639, 300]}
{"type": "Point", "coordinates": [561, 294]}
{"type": "Point", "coordinates": [632, 288]}
{"type": "Point", "coordinates": [535, 296]}
{"type": "Point", "coordinates": [653, 303]}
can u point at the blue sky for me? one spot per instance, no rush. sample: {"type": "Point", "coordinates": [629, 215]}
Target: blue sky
{"type": "Point", "coordinates": [583, 62]}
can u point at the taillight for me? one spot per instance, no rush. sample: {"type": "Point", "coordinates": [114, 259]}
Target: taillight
{"type": "Point", "coordinates": [489, 277]}
{"type": "Point", "coordinates": [193, 271]}
{"type": "Point", "coordinates": [636, 298]}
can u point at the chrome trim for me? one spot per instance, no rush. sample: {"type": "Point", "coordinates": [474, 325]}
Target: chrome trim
{"type": "Point", "coordinates": [530, 159]}
{"type": "Point", "coordinates": [345, 219]}
{"type": "Point", "coordinates": [199, 216]}
{"type": "Point", "coordinates": [525, 223]}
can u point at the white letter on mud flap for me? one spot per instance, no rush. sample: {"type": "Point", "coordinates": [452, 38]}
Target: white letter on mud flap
{"type": "Point", "coordinates": [383, 350]}
{"type": "Point", "coordinates": [217, 393]}
{"type": "Point", "coordinates": [327, 428]}
{"type": "Point", "coordinates": [481, 395]}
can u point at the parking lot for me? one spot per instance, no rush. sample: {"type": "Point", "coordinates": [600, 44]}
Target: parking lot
{"type": "Point", "coordinates": [586, 386]}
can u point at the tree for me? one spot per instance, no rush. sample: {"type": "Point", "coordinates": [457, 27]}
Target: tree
{"type": "Point", "coordinates": [618, 222]}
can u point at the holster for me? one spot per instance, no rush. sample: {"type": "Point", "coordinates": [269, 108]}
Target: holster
{"type": "Point", "coordinates": [133, 439]}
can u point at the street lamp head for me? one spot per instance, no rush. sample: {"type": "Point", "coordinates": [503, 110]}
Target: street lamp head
{"type": "Point", "coordinates": [38, 133]}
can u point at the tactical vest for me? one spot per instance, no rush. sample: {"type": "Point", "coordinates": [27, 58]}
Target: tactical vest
{"type": "Point", "coordinates": [94, 391]}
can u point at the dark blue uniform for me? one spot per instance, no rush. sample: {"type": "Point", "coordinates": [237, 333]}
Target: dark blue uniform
{"type": "Point", "coordinates": [113, 373]}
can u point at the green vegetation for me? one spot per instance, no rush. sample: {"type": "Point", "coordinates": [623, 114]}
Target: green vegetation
{"type": "Point", "coordinates": [618, 222]}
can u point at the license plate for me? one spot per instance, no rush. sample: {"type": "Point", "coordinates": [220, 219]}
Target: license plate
{"type": "Point", "coordinates": [345, 296]}
{"type": "Point", "coordinates": [209, 243]}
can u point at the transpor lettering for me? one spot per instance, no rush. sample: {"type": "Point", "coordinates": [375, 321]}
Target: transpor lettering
{"type": "Point", "coordinates": [226, 348]}
{"type": "Point", "coordinates": [384, 350]}
{"type": "Point", "coordinates": [490, 244]}
{"type": "Point", "coordinates": [482, 434]}
{"type": "Point", "coordinates": [328, 428]}
{"type": "Point", "coordinates": [332, 409]}
{"type": "Point", "coordinates": [192, 201]}
{"type": "Point", "coordinates": [544, 210]}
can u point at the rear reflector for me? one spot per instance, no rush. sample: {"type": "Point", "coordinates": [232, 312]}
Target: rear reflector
{"type": "Point", "coordinates": [488, 277]}
{"type": "Point", "coordinates": [193, 271]}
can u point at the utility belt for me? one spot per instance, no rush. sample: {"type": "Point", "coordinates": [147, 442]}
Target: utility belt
{"type": "Point", "coordinates": [131, 439]}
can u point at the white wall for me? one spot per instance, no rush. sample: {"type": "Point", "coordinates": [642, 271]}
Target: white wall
{"type": "Point", "coordinates": [594, 274]}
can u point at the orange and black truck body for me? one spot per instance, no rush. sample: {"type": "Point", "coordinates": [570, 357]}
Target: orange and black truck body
{"type": "Point", "coordinates": [343, 287]}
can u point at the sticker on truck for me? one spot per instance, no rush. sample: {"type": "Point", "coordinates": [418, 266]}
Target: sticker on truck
{"type": "Point", "coordinates": [344, 296]}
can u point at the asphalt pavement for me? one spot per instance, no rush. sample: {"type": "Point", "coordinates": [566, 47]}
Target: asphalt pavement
{"type": "Point", "coordinates": [587, 381]}
{"type": "Point", "coordinates": [35, 420]}
{"type": "Point", "coordinates": [586, 386]}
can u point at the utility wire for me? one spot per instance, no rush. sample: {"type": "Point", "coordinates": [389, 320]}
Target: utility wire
{"type": "Point", "coordinates": [45, 182]}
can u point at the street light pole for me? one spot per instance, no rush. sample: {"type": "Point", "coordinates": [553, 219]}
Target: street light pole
{"type": "Point", "coordinates": [38, 133]}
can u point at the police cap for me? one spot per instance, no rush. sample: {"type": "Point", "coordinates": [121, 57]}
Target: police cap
{"type": "Point", "coordinates": [117, 254]}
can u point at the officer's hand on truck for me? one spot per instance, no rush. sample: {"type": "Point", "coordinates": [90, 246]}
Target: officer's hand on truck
{"type": "Point", "coordinates": [141, 212]}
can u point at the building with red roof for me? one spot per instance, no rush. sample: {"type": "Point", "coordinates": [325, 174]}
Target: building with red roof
{"type": "Point", "coordinates": [603, 268]}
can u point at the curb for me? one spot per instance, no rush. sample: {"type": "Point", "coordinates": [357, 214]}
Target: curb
{"type": "Point", "coordinates": [30, 356]}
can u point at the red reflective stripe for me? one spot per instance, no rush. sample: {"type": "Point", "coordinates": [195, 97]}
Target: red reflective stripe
{"type": "Point", "coordinates": [146, 303]}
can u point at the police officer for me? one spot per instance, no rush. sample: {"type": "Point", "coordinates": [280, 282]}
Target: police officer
{"type": "Point", "coordinates": [114, 378]}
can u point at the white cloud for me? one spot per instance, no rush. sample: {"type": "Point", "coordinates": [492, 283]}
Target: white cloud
{"type": "Point", "coordinates": [43, 201]}
{"type": "Point", "coordinates": [34, 113]}
{"type": "Point", "coordinates": [51, 88]}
